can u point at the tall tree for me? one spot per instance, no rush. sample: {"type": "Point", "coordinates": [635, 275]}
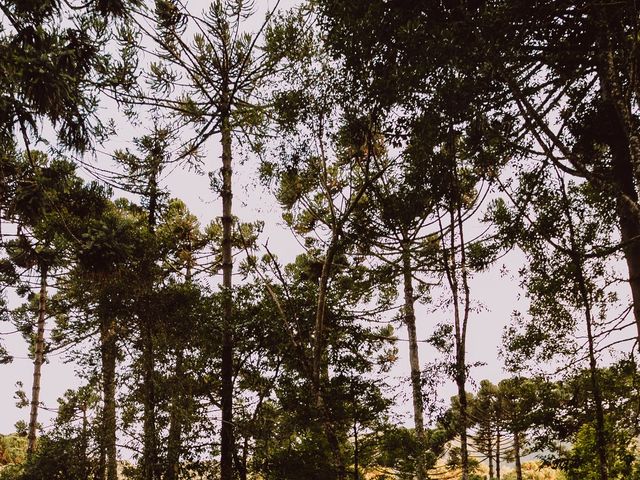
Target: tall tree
{"type": "Point", "coordinates": [142, 175]}
{"type": "Point", "coordinates": [324, 169]}
{"type": "Point", "coordinates": [394, 232]}
{"type": "Point", "coordinates": [224, 68]}
{"type": "Point", "coordinates": [558, 230]}
{"type": "Point", "coordinates": [107, 264]}
{"type": "Point", "coordinates": [46, 200]}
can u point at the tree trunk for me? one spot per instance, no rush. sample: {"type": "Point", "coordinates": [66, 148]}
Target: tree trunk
{"type": "Point", "coordinates": [498, 441]}
{"type": "Point", "coordinates": [595, 383]}
{"type": "Point", "coordinates": [356, 453]}
{"type": "Point", "coordinates": [85, 441]}
{"type": "Point", "coordinates": [227, 444]}
{"type": "Point", "coordinates": [626, 161]}
{"type": "Point", "coordinates": [578, 263]}
{"type": "Point", "coordinates": [240, 461]}
{"type": "Point", "coordinates": [628, 221]}
{"type": "Point", "coordinates": [320, 371]}
{"type": "Point", "coordinates": [462, 398]}
{"type": "Point", "coordinates": [516, 454]}
{"type": "Point", "coordinates": [151, 470]}
{"type": "Point", "coordinates": [37, 362]}
{"type": "Point", "coordinates": [178, 408]}
{"type": "Point", "coordinates": [321, 311]}
{"type": "Point", "coordinates": [175, 421]}
{"type": "Point", "coordinates": [109, 352]}
{"type": "Point", "coordinates": [457, 278]}
{"type": "Point", "coordinates": [490, 452]}
{"type": "Point", "coordinates": [150, 453]}
{"type": "Point", "coordinates": [455, 272]}
{"type": "Point", "coordinates": [597, 396]}
{"type": "Point", "coordinates": [414, 359]}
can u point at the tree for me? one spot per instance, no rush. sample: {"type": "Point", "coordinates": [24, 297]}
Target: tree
{"type": "Point", "coordinates": [557, 102]}
{"type": "Point", "coordinates": [106, 266]}
{"type": "Point", "coordinates": [295, 433]}
{"type": "Point", "coordinates": [396, 231]}
{"type": "Point", "coordinates": [323, 171]}
{"type": "Point", "coordinates": [46, 201]}
{"type": "Point", "coordinates": [57, 60]}
{"type": "Point", "coordinates": [224, 68]}
{"type": "Point", "coordinates": [483, 412]}
{"type": "Point", "coordinates": [562, 223]}
{"type": "Point", "coordinates": [143, 176]}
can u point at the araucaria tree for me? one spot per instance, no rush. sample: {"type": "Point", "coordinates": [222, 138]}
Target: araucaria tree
{"type": "Point", "coordinates": [223, 67]}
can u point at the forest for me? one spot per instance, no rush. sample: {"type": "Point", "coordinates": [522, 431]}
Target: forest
{"type": "Point", "coordinates": [404, 160]}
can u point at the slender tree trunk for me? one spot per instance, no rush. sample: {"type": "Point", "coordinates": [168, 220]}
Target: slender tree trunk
{"type": "Point", "coordinates": [178, 399]}
{"type": "Point", "coordinates": [320, 371]}
{"type": "Point", "coordinates": [332, 439]}
{"type": "Point", "coordinates": [460, 359]}
{"type": "Point", "coordinates": [150, 453]}
{"type": "Point", "coordinates": [37, 362]}
{"type": "Point", "coordinates": [101, 471]}
{"type": "Point", "coordinates": [175, 421]}
{"type": "Point", "coordinates": [601, 444]}
{"type": "Point", "coordinates": [241, 464]}
{"type": "Point", "coordinates": [595, 383]}
{"type": "Point", "coordinates": [356, 453]}
{"type": "Point", "coordinates": [150, 437]}
{"type": "Point", "coordinates": [414, 359]}
{"type": "Point", "coordinates": [578, 264]}
{"type": "Point", "coordinates": [85, 442]}
{"type": "Point", "coordinates": [109, 352]}
{"type": "Point", "coordinates": [321, 311]}
{"type": "Point", "coordinates": [490, 452]}
{"type": "Point", "coordinates": [498, 444]}
{"type": "Point", "coordinates": [461, 380]}
{"type": "Point", "coordinates": [227, 443]}
{"type": "Point", "coordinates": [516, 454]}
{"type": "Point", "coordinates": [456, 272]}
{"type": "Point", "coordinates": [457, 278]}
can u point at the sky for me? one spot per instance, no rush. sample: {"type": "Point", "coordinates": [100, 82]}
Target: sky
{"type": "Point", "coordinates": [496, 294]}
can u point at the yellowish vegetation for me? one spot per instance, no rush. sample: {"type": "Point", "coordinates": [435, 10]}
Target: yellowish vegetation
{"type": "Point", "coordinates": [535, 471]}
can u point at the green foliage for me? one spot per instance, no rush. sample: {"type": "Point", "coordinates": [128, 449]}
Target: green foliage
{"type": "Point", "coordinates": [623, 461]}
{"type": "Point", "coordinates": [54, 58]}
